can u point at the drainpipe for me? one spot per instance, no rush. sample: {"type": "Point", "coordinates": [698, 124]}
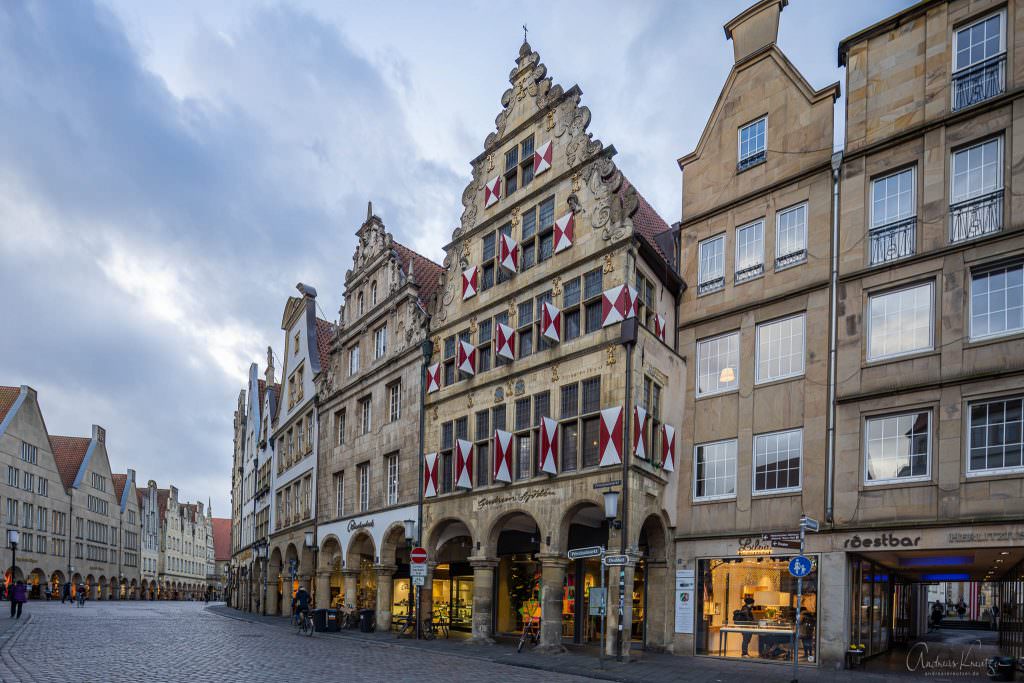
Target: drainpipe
{"type": "Point", "coordinates": [427, 348]}
{"type": "Point", "coordinates": [837, 160]}
{"type": "Point", "coordinates": [628, 332]}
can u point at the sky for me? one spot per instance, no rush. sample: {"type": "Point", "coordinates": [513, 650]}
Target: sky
{"type": "Point", "coordinates": [169, 171]}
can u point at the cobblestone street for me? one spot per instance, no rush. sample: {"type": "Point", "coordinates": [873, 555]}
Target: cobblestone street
{"type": "Point", "coordinates": [148, 641]}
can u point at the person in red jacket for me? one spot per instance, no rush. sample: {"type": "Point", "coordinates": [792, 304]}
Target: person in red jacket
{"type": "Point", "coordinates": [19, 594]}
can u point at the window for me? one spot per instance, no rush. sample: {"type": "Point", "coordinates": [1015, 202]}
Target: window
{"type": "Point", "coordinates": [447, 446]}
{"type": "Point", "coordinates": [484, 334]}
{"type": "Point", "coordinates": [979, 61]}
{"type": "Point", "coordinates": [997, 301]}
{"type": "Point", "coordinates": [593, 287]}
{"type": "Point", "coordinates": [13, 476]}
{"type": "Point", "coordinates": [900, 322]}
{"type": "Point", "coordinates": [780, 349]}
{"type": "Point", "coordinates": [365, 410]}
{"type": "Point", "coordinates": [752, 144]}
{"type": "Point", "coordinates": [526, 161]}
{"type": "Point", "coordinates": [361, 307]}
{"type": "Point", "coordinates": [524, 333]}
{"type": "Point", "coordinates": [711, 265]}
{"type": "Point", "coordinates": [28, 515]}
{"type": "Point", "coordinates": [490, 272]}
{"type": "Point", "coordinates": [41, 518]}
{"type": "Point", "coordinates": [537, 240]}
{"type": "Point", "coordinates": [718, 362]}
{"type": "Point", "coordinates": [28, 482]}
{"type": "Point", "coordinates": [893, 217]}
{"type": "Point", "coordinates": [373, 294]}
{"type": "Point", "coordinates": [541, 409]}
{"type": "Point", "coordinates": [976, 191]}
{"type": "Point", "coordinates": [652, 403]}
{"type": "Point", "coordinates": [394, 401]}
{"type": "Point", "coordinates": [392, 469]}
{"type": "Point", "coordinates": [353, 360]}
{"type": "Point", "coordinates": [571, 309]}
{"type": "Point", "coordinates": [897, 447]}
{"type": "Point", "coordinates": [522, 439]}
{"type": "Point", "coordinates": [43, 487]}
{"type": "Point", "coordinates": [28, 453]}
{"type": "Point", "coordinates": [12, 511]}
{"type": "Point", "coordinates": [645, 300]}
{"type": "Point", "coordinates": [339, 427]}
{"type": "Point", "coordinates": [380, 342]}
{"type": "Point", "coordinates": [777, 460]}
{"type": "Point", "coordinates": [715, 470]}
{"type": "Point", "coordinates": [591, 422]}
{"type": "Point", "coordinates": [790, 236]}
{"type": "Point", "coordinates": [995, 436]}
{"type": "Point", "coordinates": [482, 447]}
{"type": "Point", "coordinates": [511, 170]}
{"type": "Point", "coordinates": [449, 360]}
{"type": "Point", "coordinates": [749, 251]}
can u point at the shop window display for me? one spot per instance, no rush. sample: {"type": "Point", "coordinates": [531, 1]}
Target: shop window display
{"type": "Point", "coordinates": [748, 607]}
{"type": "Point", "coordinates": [453, 596]}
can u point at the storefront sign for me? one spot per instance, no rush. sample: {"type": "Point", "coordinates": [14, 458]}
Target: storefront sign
{"type": "Point", "coordinates": [365, 524]}
{"type": "Point", "coordinates": [751, 545]}
{"type": "Point", "coordinates": [685, 581]}
{"type": "Point", "coordinates": [883, 540]}
{"type": "Point", "coordinates": [515, 498]}
{"type": "Point", "coordinates": [1013, 535]}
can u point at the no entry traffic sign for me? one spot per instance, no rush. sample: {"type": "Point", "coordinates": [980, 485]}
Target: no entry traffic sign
{"type": "Point", "coordinates": [418, 555]}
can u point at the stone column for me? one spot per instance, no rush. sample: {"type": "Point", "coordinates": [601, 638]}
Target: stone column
{"type": "Point", "coordinates": [385, 587]}
{"type": "Point", "coordinates": [613, 611]}
{"type": "Point", "coordinates": [659, 616]}
{"type": "Point", "coordinates": [323, 589]}
{"type": "Point", "coordinates": [271, 599]}
{"type": "Point", "coordinates": [552, 569]}
{"type": "Point", "coordinates": [427, 598]}
{"type": "Point", "coordinates": [833, 617]}
{"type": "Point", "coordinates": [351, 577]}
{"type": "Point", "coordinates": [483, 595]}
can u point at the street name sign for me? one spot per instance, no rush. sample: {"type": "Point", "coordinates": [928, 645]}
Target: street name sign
{"type": "Point", "coordinates": [581, 553]}
{"type": "Point", "coordinates": [616, 560]}
{"type": "Point", "coordinates": [607, 484]}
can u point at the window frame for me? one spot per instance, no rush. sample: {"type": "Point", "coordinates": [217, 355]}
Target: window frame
{"type": "Point", "coordinates": [1000, 141]}
{"type": "Point", "coordinates": [805, 205]}
{"type": "Point", "coordinates": [889, 481]}
{"type": "Point", "coordinates": [736, 382]}
{"type": "Point", "coordinates": [957, 30]}
{"type": "Point", "coordinates": [702, 280]}
{"type": "Point", "coordinates": [988, 471]}
{"type": "Point", "coordinates": [983, 271]}
{"type": "Point", "coordinates": [758, 380]}
{"type": "Point", "coordinates": [873, 223]}
{"type": "Point", "coordinates": [930, 284]}
{"type": "Point", "coordinates": [735, 474]}
{"type": "Point", "coordinates": [739, 143]}
{"type": "Point", "coordinates": [754, 491]}
{"type": "Point", "coordinates": [752, 225]}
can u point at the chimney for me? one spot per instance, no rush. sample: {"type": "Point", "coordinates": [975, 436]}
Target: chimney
{"type": "Point", "coordinates": [99, 434]}
{"type": "Point", "coordinates": [174, 493]}
{"type": "Point", "coordinates": [268, 374]}
{"type": "Point", "coordinates": [131, 475]}
{"type": "Point", "coordinates": [755, 28]}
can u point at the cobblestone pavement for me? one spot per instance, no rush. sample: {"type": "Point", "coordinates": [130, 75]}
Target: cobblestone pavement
{"type": "Point", "coordinates": [148, 641]}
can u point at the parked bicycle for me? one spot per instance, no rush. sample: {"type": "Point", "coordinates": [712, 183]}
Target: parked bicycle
{"type": "Point", "coordinates": [531, 633]}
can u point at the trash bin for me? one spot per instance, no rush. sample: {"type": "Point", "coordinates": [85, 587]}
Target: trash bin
{"type": "Point", "coordinates": [333, 623]}
{"type": "Point", "coordinates": [366, 620]}
{"type": "Point", "coordinates": [319, 619]}
{"type": "Point", "coordinates": [1001, 668]}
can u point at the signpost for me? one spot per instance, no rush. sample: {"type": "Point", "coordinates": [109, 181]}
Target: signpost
{"type": "Point", "coordinates": [597, 595]}
{"type": "Point", "coordinates": [418, 555]}
{"type": "Point", "coordinates": [583, 553]}
{"type": "Point", "coordinates": [800, 566]}
{"type": "Point", "coordinates": [607, 484]}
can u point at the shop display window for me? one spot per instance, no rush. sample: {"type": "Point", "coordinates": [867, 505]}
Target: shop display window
{"type": "Point", "coordinates": [747, 607]}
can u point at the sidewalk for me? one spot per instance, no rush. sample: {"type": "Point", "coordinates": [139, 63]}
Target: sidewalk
{"type": "Point", "coordinates": [647, 667]}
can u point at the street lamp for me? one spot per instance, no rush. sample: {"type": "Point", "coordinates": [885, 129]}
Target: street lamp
{"type": "Point", "coordinates": [410, 529]}
{"type": "Point", "coordinates": [311, 545]}
{"type": "Point", "coordinates": [12, 540]}
{"type": "Point", "coordinates": [611, 508]}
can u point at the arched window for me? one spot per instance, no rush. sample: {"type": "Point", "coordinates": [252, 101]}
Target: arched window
{"type": "Point", "coordinates": [359, 298]}
{"type": "Point", "coordinates": [373, 294]}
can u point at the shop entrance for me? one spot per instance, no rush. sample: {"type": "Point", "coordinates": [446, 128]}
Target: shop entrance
{"type": "Point", "coordinates": [587, 527]}
{"type": "Point", "coordinates": [518, 584]}
{"type": "Point", "coordinates": [361, 558]}
{"type": "Point", "coordinates": [452, 586]}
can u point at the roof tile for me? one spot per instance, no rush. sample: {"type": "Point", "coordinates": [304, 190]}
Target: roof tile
{"type": "Point", "coordinates": [426, 274]}
{"type": "Point", "coordinates": [69, 452]}
{"type": "Point", "coordinates": [8, 395]}
{"type": "Point", "coordinates": [221, 539]}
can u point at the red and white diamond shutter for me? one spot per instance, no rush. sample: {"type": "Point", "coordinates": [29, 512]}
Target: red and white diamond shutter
{"type": "Point", "coordinates": [466, 360]}
{"type": "Point", "coordinates": [639, 435]}
{"type": "Point", "coordinates": [668, 448]}
{"type": "Point", "coordinates": [502, 456]}
{"type": "Point", "coordinates": [631, 304]}
{"type": "Point", "coordinates": [433, 378]}
{"type": "Point", "coordinates": [492, 191]}
{"type": "Point", "coordinates": [509, 253]}
{"type": "Point", "coordinates": [565, 228]}
{"type": "Point", "coordinates": [429, 475]}
{"type": "Point", "coordinates": [548, 446]}
{"type": "Point", "coordinates": [542, 157]}
{"type": "Point", "coordinates": [506, 346]}
{"type": "Point", "coordinates": [617, 304]}
{"type": "Point", "coordinates": [610, 437]}
{"type": "Point", "coordinates": [551, 322]}
{"type": "Point", "coordinates": [463, 464]}
{"type": "Point", "coordinates": [469, 282]}
{"type": "Point", "coordinates": [659, 326]}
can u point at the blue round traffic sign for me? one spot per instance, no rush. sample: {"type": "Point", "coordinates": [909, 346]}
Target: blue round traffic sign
{"type": "Point", "coordinates": [800, 566]}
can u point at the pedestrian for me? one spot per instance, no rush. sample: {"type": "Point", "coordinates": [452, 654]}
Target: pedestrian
{"type": "Point", "coordinates": [961, 609]}
{"type": "Point", "coordinates": [19, 594]}
{"type": "Point", "coordinates": [65, 592]}
{"type": "Point", "coordinates": [80, 594]}
{"type": "Point", "coordinates": [745, 615]}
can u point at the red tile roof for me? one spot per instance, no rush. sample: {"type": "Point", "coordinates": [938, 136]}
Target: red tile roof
{"type": "Point", "coordinates": [8, 395]}
{"type": "Point", "coordinates": [425, 273]}
{"type": "Point", "coordinates": [647, 222]}
{"type": "Point", "coordinates": [119, 481]}
{"type": "Point", "coordinates": [324, 335]}
{"type": "Point", "coordinates": [221, 539]}
{"type": "Point", "coordinates": [140, 494]}
{"type": "Point", "coordinates": [69, 452]}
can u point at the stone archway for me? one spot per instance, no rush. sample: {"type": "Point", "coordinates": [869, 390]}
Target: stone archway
{"type": "Point", "coordinates": [360, 571]}
{"type": "Point", "coordinates": [514, 539]}
{"type": "Point", "coordinates": [450, 545]}
{"type": "Point", "coordinates": [90, 587]}
{"type": "Point", "coordinates": [36, 582]}
{"type": "Point", "coordinates": [133, 589]}
{"type": "Point", "coordinates": [57, 581]}
{"type": "Point", "coordinates": [583, 526]}
{"type": "Point", "coordinates": [275, 568]}
{"type": "Point", "coordinates": [330, 584]}
{"type": "Point", "coordinates": [393, 594]}
{"type": "Point", "coordinates": [292, 570]}
{"type": "Point", "coordinates": [652, 578]}
{"type": "Point", "coordinates": [101, 588]}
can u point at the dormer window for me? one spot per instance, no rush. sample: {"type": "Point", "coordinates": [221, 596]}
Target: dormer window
{"type": "Point", "coordinates": [752, 144]}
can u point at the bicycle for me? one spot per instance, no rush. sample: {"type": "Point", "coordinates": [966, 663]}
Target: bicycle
{"type": "Point", "coordinates": [531, 633]}
{"type": "Point", "coordinates": [303, 623]}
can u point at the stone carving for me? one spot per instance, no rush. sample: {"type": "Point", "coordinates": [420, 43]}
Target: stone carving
{"type": "Point", "coordinates": [556, 286]}
{"type": "Point", "coordinates": [611, 356]}
{"type": "Point", "coordinates": [609, 267]}
{"type": "Point", "coordinates": [554, 373]}
{"type": "Point", "coordinates": [469, 401]}
{"type": "Point", "coordinates": [499, 395]}
{"type": "Point", "coordinates": [520, 387]}
{"type": "Point", "coordinates": [472, 325]}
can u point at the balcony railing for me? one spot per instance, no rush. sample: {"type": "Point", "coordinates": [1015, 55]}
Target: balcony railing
{"type": "Point", "coordinates": [893, 241]}
{"type": "Point", "coordinates": [976, 217]}
{"type": "Point", "coordinates": [752, 160]}
{"type": "Point", "coordinates": [744, 274]}
{"type": "Point", "coordinates": [790, 259]}
{"type": "Point", "coordinates": [979, 82]}
{"type": "Point", "coordinates": [710, 285]}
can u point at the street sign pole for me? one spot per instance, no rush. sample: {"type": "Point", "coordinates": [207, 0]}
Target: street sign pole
{"type": "Point", "coordinates": [604, 611]}
{"type": "Point", "coordinates": [799, 597]}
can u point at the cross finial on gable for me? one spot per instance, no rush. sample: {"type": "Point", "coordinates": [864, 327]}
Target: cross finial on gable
{"type": "Point", "coordinates": [369, 210]}
{"type": "Point", "coordinates": [524, 32]}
